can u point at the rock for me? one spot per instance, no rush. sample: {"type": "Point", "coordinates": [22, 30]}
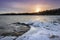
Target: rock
{"type": "Point", "coordinates": [18, 29]}
{"type": "Point", "coordinates": [54, 36]}
{"type": "Point", "coordinates": [18, 23]}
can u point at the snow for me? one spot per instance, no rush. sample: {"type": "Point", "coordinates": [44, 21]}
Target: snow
{"type": "Point", "coordinates": [8, 38]}
{"type": "Point", "coordinates": [40, 31]}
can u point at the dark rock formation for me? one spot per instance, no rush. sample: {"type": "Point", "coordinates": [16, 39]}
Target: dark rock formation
{"type": "Point", "coordinates": [23, 28]}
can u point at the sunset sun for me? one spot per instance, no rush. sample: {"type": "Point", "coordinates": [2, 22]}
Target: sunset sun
{"type": "Point", "coordinates": [37, 9]}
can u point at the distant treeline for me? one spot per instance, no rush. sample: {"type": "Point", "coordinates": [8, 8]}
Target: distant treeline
{"type": "Point", "coordinates": [51, 12]}
{"type": "Point", "coordinates": [47, 12]}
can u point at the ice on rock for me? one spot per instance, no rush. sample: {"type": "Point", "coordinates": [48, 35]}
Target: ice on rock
{"type": "Point", "coordinates": [41, 37]}
{"type": "Point", "coordinates": [47, 25]}
{"type": "Point", "coordinates": [8, 38]}
{"type": "Point", "coordinates": [1, 37]}
{"type": "Point", "coordinates": [35, 23]}
{"type": "Point", "coordinates": [40, 31]}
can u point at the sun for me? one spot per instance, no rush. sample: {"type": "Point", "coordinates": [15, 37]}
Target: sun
{"type": "Point", "coordinates": [37, 9]}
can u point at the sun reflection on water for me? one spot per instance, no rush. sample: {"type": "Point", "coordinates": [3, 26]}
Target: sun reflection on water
{"type": "Point", "coordinates": [38, 18]}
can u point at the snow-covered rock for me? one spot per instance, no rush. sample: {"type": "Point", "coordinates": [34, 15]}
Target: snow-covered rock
{"type": "Point", "coordinates": [8, 38]}
{"type": "Point", "coordinates": [40, 31]}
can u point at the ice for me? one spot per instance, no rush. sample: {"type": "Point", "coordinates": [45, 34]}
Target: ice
{"type": "Point", "coordinates": [1, 37]}
{"type": "Point", "coordinates": [39, 31]}
{"type": "Point", "coordinates": [42, 31]}
{"type": "Point", "coordinates": [8, 38]}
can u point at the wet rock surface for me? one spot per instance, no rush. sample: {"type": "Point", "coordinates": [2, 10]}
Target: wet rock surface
{"type": "Point", "coordinates": [15, 29]}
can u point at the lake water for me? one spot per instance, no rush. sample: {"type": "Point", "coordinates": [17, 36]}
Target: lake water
{"type": "Point", "coordinates": [27, 18]}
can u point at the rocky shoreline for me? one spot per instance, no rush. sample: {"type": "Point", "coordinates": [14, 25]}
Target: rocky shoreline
{"type": "Point", "coordinates": [18, 29]}
{"type": "Point", "coordinates": [32, 31]}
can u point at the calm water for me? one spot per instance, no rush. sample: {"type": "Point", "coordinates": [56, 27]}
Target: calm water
{"type": "Point", "coordinates": [27, 18]}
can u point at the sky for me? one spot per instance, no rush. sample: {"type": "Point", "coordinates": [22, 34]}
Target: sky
{"type": "Point", "coordinates": [23, 6]}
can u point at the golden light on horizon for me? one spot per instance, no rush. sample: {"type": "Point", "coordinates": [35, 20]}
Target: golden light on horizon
{"type": "Point", "coordinates": [37, 8]}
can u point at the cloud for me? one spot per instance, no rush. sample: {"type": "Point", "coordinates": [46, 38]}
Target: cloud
{"type": "Point", "coordinates": [27, 5]}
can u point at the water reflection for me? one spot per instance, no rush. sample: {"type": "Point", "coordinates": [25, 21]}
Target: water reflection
{"type": "Point", "coordinates": [40, 18]}
{"type": "Point", "coordinates": [21, 18]}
